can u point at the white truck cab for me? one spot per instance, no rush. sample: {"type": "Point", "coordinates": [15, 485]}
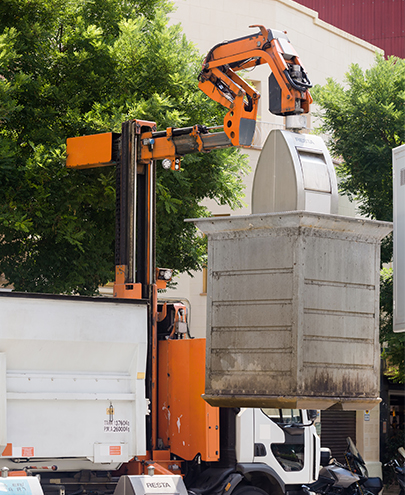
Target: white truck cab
{"type": "Point", "coordinates": [283, 439]}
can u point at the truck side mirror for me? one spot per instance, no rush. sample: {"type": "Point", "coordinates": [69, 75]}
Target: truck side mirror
{"type": "Point", "coordinates": [312, 414]}
{"type": "Point", "coordinates": [326, 456]}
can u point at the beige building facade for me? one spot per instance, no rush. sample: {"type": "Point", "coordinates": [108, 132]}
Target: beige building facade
{"type": "Point", "coordinates": [325, 52]}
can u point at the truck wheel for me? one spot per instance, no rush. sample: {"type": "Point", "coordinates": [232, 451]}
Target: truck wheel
{"type": "Point", "coordinates": [248, 490]}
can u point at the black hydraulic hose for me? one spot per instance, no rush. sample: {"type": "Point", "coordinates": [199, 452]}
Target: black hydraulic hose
{"type": "Point", "coordinates": [299, 86]}
{"type": "Point", "coordinates": [241, 63]}
{"type": "Point", "coordinates": [249, 104]}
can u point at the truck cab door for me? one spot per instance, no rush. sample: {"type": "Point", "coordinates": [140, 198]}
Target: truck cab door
{"type": "Point", "coordinates": [245, 435]}
{"type": "Point", "coordinates": [286, 441]}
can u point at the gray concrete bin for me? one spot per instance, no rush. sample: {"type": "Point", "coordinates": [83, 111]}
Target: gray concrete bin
{"type": "Point", "coordinates": [293, 310]}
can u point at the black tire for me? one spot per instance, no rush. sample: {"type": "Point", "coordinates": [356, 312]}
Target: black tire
{"type": "Point", "coordinates": [248, 490]}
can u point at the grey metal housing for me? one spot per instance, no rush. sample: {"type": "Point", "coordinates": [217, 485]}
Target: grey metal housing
{"type": "Point", "coordinates": [294, 172]}
{"type": "Point", "coordinates": [145, 484]}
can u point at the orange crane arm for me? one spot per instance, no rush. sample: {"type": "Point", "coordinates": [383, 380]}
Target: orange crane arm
{"type": "Point", "coordinates": [288, 95]}
{"type": "Point", "coordinates": [288, 83]}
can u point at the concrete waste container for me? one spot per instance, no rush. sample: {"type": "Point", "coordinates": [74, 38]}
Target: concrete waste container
{"type": "Point", "coordinates": [293, 310]}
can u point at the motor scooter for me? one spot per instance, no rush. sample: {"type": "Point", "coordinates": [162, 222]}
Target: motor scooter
{"type": "Point", "coordinates": [339, 479]}
{"type": "Point", "coordinates": [399, 469]}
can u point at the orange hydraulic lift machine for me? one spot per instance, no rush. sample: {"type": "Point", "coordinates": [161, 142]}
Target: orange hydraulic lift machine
{"type": "Point", "coordinates": [135, 151]}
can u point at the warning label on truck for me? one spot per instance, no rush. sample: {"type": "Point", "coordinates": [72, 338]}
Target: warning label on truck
{"type": "Point", "coordinates": [116, 426]}
{"type": "Point", "coordinates": [115, 449]}
{"type": "Point", "coordinates": [27, 451]}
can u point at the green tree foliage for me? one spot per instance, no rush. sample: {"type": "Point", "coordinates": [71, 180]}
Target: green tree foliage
{"type": "Point", "coordinates": [366, 119]}
{"type": "Point", "coordinates": [76, 67]}
{"type": "Point", "coordinates": [394, 343]}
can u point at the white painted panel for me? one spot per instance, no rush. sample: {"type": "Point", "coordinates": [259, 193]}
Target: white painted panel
{"type": "Point", "coordinates": [398, 159]}
{"type": "Point", "coordinates": [3, 402]}
{"type": "Point", "coordinates": [245, 435]}
{"type": "Point", "coordinates": [75, 377]}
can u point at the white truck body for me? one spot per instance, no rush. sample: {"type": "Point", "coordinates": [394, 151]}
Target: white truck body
{"type": "Point", "coordinates": [72, 382]}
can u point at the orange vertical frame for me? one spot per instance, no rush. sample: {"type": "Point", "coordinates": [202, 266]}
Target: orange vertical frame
{"type": "Point", "coordinates": [187, 424]}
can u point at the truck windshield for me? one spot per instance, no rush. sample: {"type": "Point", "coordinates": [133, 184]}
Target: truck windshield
{"type": "Point", "coordinates": [284, 416]}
